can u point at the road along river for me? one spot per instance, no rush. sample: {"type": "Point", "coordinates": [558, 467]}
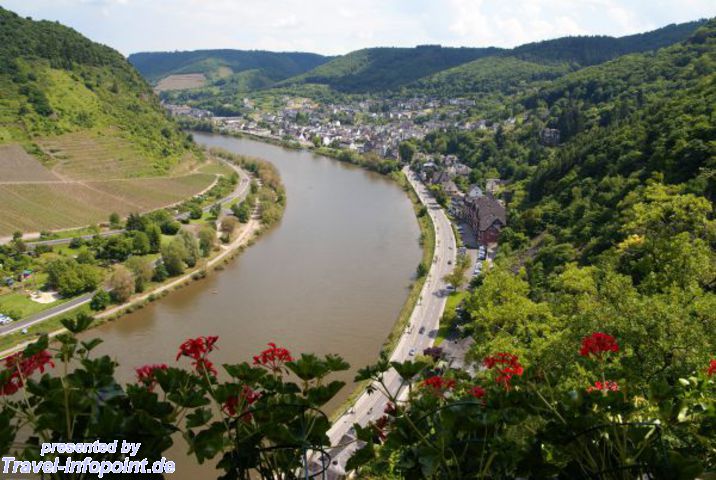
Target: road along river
{"type": "Point", "coordinates": [330, 278]}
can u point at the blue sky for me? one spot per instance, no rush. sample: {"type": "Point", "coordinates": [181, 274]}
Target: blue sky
{"type": "Point", "coordinates": [339, 26]}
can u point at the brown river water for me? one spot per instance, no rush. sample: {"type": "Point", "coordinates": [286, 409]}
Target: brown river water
{"type": "Point", "coordinates": [330, 278]}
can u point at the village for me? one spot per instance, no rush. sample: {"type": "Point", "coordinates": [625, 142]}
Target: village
{"type": "Point", "coordinates": [366, 126]}
{"type": "Point", "coordinates": [378, 127]}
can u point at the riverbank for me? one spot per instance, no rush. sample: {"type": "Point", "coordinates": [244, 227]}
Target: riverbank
{"type": "Point", "coordinates": [270, 188]}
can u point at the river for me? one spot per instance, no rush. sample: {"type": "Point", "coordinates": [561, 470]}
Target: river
{"type": "Point", "coordinates": [330, 278]}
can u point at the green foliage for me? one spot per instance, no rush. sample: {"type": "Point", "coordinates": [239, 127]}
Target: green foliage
{"type": "Point", "coordinates": [101, 300]}
{"type": "Point", "coordinates": [258, 421]}
{"type": "Point", "coordinates": [483, 426]}
{"type": "Point", "coordinates": [70, 278]}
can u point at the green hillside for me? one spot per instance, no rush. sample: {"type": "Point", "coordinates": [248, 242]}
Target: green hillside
{"type": "Point", "coordinates": [54, 81]}
{"type": "Point", "coordinates": [218, 64]}
{"type": "Point", "coordinates": [375, 69]}
{"type": "Point", "coordinates": [79, 129]}
{"type": "Point", "coordinates": [513, 71]}
{"type": "Point", "coordinates": [491, 75]}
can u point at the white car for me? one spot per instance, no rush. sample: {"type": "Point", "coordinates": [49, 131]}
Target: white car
{"type": "Point", "coordinates": [412, 352]}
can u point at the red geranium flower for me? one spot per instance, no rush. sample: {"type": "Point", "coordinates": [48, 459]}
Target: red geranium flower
{"type": "Point", "coordinates": [597, 344]}
{"type": "Point", "coordinates": [477, 392]}
{"type": "Point", "coordinates": [508, 365]}
{"type": "Point", "coordinates": [18, 369]}
{"type": "Point", "coordinates": [437, 385]}
{"type": "Point", "coordinates": [273, 358]}
{"type": "Point", "coordinates": [197, 349]}
{"type": "Point", "coordinates": [606, 386]}
{"type": "Point", "coordinates": [204, 365]}
{"type": "Point", "coordinates": [712, 368]}
{"type": "Point", "coordinates": [240, 402]}
{"type": "Point", "coordinates": [145, 375]}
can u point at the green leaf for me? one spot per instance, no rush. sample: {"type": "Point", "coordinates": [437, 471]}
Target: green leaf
{"type": "Point", "coordinates": [361, 457]}
{"type": "Point", "coordinates": [36, 347]}
{"type": "Point", "coordinates": [81, 323]}
{"type": "Point", "coordinates": [198, 417]}
{"type": "Point", "coordinates": [408, 370]}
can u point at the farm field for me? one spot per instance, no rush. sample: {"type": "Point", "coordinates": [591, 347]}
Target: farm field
{"type": "Point", "coordinates": [181, 82]}
{"type": "Point", "coordinates": [84, 156]}
{"type": "Point", "coordinates": [16, 165]}
{"type": "Point", "coordinates": [35, 207]}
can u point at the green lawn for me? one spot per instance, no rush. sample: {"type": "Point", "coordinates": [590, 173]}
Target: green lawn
{"type": "Point", "coordinates": [20, 303]}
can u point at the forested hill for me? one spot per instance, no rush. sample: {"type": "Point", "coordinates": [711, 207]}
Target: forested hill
{"type": "Point", "coordinates": [518, 69]}
{"type": "Point", "coordinates": [215, 64]}
{"type": "Point", "coordinates": [377, 69]}
{"type": "Point", "coordinates": [380, 69]}
{"type": "Point", "coordinates": [54, 81]}
{"type": "Point", "coordinates": [591, 50]}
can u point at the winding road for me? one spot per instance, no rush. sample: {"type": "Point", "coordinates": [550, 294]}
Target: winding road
{"type": "Point", "coordinates": [427, 314]}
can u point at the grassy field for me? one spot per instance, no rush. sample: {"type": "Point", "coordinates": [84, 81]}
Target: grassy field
{"type": "Point", "coordinates": [215, 168]}
{"type": "Point", "coordinates": [19, 303]}
{"type": "Point", "coordinates": [181, 82]}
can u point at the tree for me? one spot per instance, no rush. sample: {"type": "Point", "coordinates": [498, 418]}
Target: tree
{"type": "Point", "coordinates": [422, 270]}
{"type": "Point", "coordinates": [160, 272]}
{"type": "Point", "coordinates": [207, 240]}
{"type": "Point", "coordinates": [135, 222]}
{"type": "Point", "coordinates": [142, 270]}
{"type": "Point", "coordinates": [215, 210]}
{"type": "Point", "coordinates": [118, 248]}
{"type": "Point", "coordinates": [114, 220]}
{"type": "Point", "coordinates": [154, 235]}
{"type": "Point", "coordinates": [407, 151]}
{"type": "Point", "coordinates": [242, 211]}
{"type": "Point", "coordinates": [101, 300]}
{"type": "Point", "coordinates": [457, 277]}
{"type": "Point", "coordinates": [195, 212]}
{"type": "Point", "coordinates": [191, 247]}
{"type": "Point", "coordinates": [140, 243]}
{"type": "Point", "coordinates": [228, 225]}
{"type": "Point", "coordinates": [70, 278]}
{"type": "Point", "coordinates": [173, 256]}
{"type": "Point", "coordinates": [121, 284]}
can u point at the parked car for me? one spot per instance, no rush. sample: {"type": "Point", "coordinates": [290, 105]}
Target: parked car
{"type": "Point", "coordinates": [412, 352]}
{"type": "Point", "coordinates": [422, 330]}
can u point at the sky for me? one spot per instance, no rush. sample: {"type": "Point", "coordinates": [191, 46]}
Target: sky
{"type": "Point", "coordinates": [335, 27]}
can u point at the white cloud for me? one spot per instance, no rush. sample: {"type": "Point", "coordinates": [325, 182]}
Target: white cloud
{"type": "Point", "coordinates": [339, 26]}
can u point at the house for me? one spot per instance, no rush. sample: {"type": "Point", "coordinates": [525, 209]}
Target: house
{"type": "Point", "coordinates": [486, 216]}
{"type": "Point", "coordinates": [451, 189]}
{"type": "Point", "coordinates": [475, 192]}
{"type": "Point", "coordinates": [492, 185]}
